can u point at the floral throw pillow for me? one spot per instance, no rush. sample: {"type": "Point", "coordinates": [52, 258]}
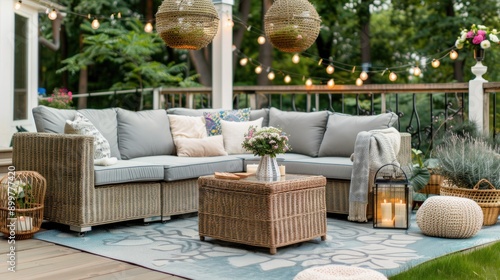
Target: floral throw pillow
{"type": "Point", "coordinates": [213, 119]}
{"type": "Point", "coordinates": [81, 125]}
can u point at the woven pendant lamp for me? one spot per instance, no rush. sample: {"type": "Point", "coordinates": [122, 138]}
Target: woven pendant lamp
{"type": "Point", "coordinates": [187, 24]}
{"type": "Point", "coordinates": [292, 25]}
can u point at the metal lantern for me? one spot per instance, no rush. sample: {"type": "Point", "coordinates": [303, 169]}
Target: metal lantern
{"type": "Point", "coordinates": [187, 24]}
{"type": "Point", "coordinates": [292, 25]}
{"type": "Point", "coordinates": [392, 198]}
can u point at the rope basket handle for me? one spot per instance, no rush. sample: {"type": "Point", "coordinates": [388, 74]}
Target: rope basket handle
{"type": "Point", "coordinates": [490, 185]}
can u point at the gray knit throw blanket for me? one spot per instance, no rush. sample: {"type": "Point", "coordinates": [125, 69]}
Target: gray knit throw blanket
{"type": "Point", "coordinates": [372, 149]}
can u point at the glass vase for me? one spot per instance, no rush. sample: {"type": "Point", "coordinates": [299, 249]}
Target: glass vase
{"type": "Point", "coordinates": [268, 168]}
{"type": "Point", "coordinates": [479, 54]}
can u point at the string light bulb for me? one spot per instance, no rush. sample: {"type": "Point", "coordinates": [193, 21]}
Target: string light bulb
{"type": "Point", "coordinates": [453, 54]}
{"type": "Point", "coordinates": [53, 14]}
{"type": "Point", "coordinates": [17, 6]}
{"type": "Point", "coordinates": [296, 58]}
{"type": "Point", "coordinates": [359, 82]}
{"type": "Point", "coordinates": [417, 71]}
{"type": "Point", "coordinates": [271, 76]}
{"type": "Point", "coordinates": [243, 61]}
{"type": "Point", "coordinates": [148, 28]}
{"type": "Point", "coordinates": [330, 69]}
{"type": "Point", "coordinates": [261, 40]}
{"type": "Point", "coordinates": [309, 82]}
{"type": "Point", "coordinates": [258, 69]}
{"type": "Point", "coordinates": [229, 22]}
{"type": "Point", "coordinates": [393, 77]}
{"type": "Point", "coordinates": [330, 83]}
{"type": "Point", "coordinates": [363, 76]}
{"type": "Point", "coordinates": [95, 24]}
{"type": "Point", "coordinates": [287, 79]}
{"type": "Point", "coordinates": [435, 63]}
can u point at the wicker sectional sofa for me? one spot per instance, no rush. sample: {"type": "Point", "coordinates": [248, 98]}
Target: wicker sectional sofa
{"type": "Point", "coordinates": [151, 182]}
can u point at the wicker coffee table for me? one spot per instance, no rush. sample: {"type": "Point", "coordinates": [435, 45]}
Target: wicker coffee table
{"type": "Point", "coordinates": [262, 213]}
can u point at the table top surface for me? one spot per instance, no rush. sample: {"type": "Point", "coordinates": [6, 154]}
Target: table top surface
{"type": "Point", "coordinates": [253, 184]}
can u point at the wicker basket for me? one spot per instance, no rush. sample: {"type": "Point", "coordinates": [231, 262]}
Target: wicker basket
{"type": "Point", "coordinates": [434, 185]}
{"type": "Point", "coordinates": [292, 25]}
{"type": "Point", "coordinates": [22, 220]}
{"type": "Point", "coordinates": [190, 25]}
{"type": "Point", "coordinates": [489, 200]}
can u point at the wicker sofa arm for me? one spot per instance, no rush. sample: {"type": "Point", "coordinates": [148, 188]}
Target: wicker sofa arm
{"type": "Point", "coordinates": [67, 163]}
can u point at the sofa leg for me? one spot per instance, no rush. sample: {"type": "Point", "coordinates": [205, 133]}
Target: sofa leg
{"type": "Point", "coordinates": [152, 219]}
{"type": "Point", "coordinates": [164, 219]}
{"type": "Point", "coordinates": [81, 230]}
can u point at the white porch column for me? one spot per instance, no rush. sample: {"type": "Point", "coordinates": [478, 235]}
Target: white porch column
{"type": "Point", "coordinates": [478, 102]}
{"type": "Point", "coordinates": [222, 57]}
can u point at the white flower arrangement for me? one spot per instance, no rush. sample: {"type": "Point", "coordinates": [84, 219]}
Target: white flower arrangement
{"type": "Point", "coordinates": [266, 141]}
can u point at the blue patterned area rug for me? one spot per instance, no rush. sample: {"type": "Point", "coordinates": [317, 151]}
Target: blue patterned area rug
{"type": "Point", "coordinates": [175, 248]}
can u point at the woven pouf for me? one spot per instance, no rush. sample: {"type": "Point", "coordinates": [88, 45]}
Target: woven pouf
{"type": "Point", "coordinates": [331, 272]}
{"type": "Point", "coordinates": [450, 217]}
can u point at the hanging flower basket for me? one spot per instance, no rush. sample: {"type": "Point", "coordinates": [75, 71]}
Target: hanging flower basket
{"type": "Point", "coordinates": [292, 25]}
{"type": "Point", "coordinates": [187, 24]}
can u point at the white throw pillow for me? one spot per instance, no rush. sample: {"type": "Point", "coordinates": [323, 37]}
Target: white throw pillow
{"type": "Point", "coordinates": [200, 147]}
{"type": "Point", "coordinates": [234, 134]}
{"type": "Point", "coordinates": [187, 126]}
{"type": "Point", "coordinates": [82, 126]}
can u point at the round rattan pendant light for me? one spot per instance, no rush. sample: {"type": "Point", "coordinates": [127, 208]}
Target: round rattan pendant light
{"type": "Point", "coordinates": [187, 24]}
{"type": "Point", "coordinates": [292, 25]}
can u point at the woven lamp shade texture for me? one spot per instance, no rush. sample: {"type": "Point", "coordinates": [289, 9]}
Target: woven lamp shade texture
{"type": "Point", "coordinates": [187, 24]}
{"type": "Point", "coordinates": [292, 25]}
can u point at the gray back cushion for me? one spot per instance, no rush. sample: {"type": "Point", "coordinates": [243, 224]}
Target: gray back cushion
{"type": "Point", "coordinates": [189, 112]}
{"type": "Point", "coordinates": [305, 130]}
{"type": "Point", "coordinates": [342, 130]}
{"type": "Point", "coordinates": [105, 121]}
{"type": "Point", "coordinates": [260, 113]}
{"type": "Point", "coordinates": [51, 120]}
{"type": "Point", "coordinates": [144, 133]}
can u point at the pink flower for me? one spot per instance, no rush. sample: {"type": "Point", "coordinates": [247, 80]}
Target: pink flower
{"type": "Point", "coordinates": [478, 39]}
{"type": "Point", "coordinates": [482, 33]}
{"type": "Point", "coordinates": [470, 34]}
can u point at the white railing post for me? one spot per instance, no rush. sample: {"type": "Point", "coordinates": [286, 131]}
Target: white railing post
{"type": "Point", "coordinates": [222, 57]}
{"type": "Point", "coordinates": [478, 101]}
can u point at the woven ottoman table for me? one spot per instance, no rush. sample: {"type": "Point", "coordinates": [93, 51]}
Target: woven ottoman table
{"type": "Point", "coordinates": [341, 272]}
{"type": "Point", "coordinates": [449, 217]}
{"type": "Point", "coordinates": [262, 213]}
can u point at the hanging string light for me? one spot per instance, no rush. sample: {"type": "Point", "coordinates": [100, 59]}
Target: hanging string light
{"type": "Point", "coordinates": [363, 76]}
{"type": "Point", "coordinates": [18, 4]}
{"type": "Point", "coordinates": [393, 77]}
{"type": "Point", "coordinates": [330, 69]}
{"type": "Point", "coordinates": [453, 54]}
{"type": "Point", "coordinates": [309, 82]}
{"type": "Point", "coordinates": [296, 58]}
{"type": "Point", "coordinates": [330, 83]}
{"type": "Point", "coordinates": [416, 71]}
{"type": "Point", "coordinates": [287, 79]}
{"type": "Point", "coordinates": [435, 63]}
{"type": "Point", "coordinates": [261, 40]}
{"type": "Point", "coordinates": [243, 61]}
{"type": "Point", "coordinates": [359, 82]}
{"type": "Point", "coordinates": [258, 69]}
{"type": "Point", "coordinates": [53, 14]}
{"type": "Point", "coordinates": [271, 76]}
{"type": "Point", "coordinates": [95, 24]}
{"type": "Point", "coordinates": [148, 28]}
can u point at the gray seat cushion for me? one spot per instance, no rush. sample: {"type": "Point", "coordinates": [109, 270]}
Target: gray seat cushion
{"type": "Point", "coordinates": [144, 133]}
{"type": "Point", "coordinates": [342, 130]}
{"type": "Point", "coordinates": [180, 168]}
{"type": "Point", "coordinates": [305, 130]}
{"type": "Point", "coordinates": [127, 171]}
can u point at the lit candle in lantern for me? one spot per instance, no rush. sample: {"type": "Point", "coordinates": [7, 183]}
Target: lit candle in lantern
{"type": "Point", "coordinates": [400, 214]}
{"type": "Point", "coordinates": [24, 223]}
{"type": "Point", "coordinates": [252, 168]}
{"type": "Point", "coordinates": [386, 213]}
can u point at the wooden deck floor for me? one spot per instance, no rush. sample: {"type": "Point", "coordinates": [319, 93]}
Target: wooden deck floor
{"type": "Point", "coordinates": [36, 259]}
